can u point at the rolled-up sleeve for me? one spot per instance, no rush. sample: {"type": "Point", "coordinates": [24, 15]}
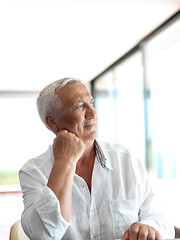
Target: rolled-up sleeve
{"type": "Point", "coordinates": [41, 218]}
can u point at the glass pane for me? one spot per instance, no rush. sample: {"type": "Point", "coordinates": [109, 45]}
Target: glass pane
{"type": "Point", "coordinates": [23, 135]}
{"type": "Point", "coordinates": [120, 105]}
{"type": "Point", "coordinates": [162, 58]}
{"type": "Point", "coordinates": [104, 94]}
{"type": "Point", "coordinates": [163, 75]}
{"type": "Point", "coordinates": [130, 104]}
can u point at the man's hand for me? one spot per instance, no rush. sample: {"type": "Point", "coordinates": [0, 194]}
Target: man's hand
{"type": "Point", "coordinates": [67, 147]}
{"type": "Point", "coordinates": [139, 231]}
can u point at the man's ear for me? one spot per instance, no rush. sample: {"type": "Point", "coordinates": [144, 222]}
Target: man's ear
{"type": "Point", "coordinates": [51, 122]}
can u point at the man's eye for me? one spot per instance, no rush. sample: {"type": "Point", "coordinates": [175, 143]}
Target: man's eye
{"type": "Point", "coordinates": [80, 106]}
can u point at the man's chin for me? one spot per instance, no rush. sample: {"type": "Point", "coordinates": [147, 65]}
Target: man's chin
{"type": "Point", "coordinates": [90, 137]}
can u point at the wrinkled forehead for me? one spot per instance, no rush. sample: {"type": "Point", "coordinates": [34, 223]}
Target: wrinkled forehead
{"type": "Point", "coordinates": [72, 92]}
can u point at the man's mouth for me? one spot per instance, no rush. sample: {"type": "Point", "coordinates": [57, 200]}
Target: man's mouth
{"type": "Point", "coordinates": [90, 124]}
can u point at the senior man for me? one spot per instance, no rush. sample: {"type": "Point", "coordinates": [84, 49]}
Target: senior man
{"type": "Point", "coordinates": [82, 188]}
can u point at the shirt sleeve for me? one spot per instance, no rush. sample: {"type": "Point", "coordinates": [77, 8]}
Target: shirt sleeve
{"type": "Point", "coordinates": [149, 214]}
{"type": "Point", "coordinates": [41, 218]}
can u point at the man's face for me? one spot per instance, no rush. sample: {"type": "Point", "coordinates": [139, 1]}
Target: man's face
{"type": "Point", "coordinates": [77, 113]}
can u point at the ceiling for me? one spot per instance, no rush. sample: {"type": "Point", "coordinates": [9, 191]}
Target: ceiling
{"type": "Point", "coordinates": [44, 40]}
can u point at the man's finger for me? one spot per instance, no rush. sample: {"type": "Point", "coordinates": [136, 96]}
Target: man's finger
{"type": "Point", "coordinates": [134, 231]}
{"type": "Point", "coordinates": [144, 234]}
{"type": "Point", "coordinates": [125, 236]}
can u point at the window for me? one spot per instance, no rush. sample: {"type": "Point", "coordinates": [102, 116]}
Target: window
{"type": "Point", "coordinates": [119, 99]}
{"type": "Point", "coordinates": [130, 128]}
{"type": "Point", "coordinates": [138, 101]}
{"type": "Point", "coordinates": [105, 98]}
{"type": "Point", "coordinates": [162, 58]}
{"type": "Point", "coordinates": [23, 135]}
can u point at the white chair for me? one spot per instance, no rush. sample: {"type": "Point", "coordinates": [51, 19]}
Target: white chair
{"type": "Point", "coordinates": [17, 233]}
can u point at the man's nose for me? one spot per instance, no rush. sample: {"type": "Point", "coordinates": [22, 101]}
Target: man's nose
{"type": "Point", "coordinates": [90, 112]}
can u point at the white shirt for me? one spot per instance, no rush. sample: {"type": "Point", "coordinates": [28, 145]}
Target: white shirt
{"type": "Point", "coordinates": [120, 195]}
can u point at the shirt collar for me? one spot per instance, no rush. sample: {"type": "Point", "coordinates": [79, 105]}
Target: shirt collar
{"type": "Point", "coordinates": [105, 163]}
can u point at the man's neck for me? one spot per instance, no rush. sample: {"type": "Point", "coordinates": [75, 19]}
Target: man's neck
{"type": "Point", "coordinates": [84, 167]}
{"type": "Point", "coordinates": [88, 154]}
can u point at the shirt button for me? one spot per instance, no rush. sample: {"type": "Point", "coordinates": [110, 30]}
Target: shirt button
{"type": "Point", "coordinates": [93, 211]}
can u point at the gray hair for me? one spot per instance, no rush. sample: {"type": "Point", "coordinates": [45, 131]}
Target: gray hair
{"type": "Point", "coordinates": [48, 101]}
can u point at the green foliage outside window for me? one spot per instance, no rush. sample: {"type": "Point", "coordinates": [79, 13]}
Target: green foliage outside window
{"type": "Point", "coordinates": [9, 177]}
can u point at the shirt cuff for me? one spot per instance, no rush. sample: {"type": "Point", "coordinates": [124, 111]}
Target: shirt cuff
{"type": "Point", "coordinates": [48, 209]}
